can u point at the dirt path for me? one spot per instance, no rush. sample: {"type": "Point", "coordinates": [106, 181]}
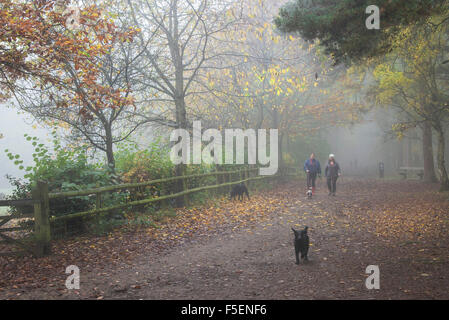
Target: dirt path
{"type": "Point", "coordinates": [347, 232]}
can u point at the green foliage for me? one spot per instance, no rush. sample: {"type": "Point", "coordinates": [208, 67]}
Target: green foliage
{"type": "Point", "coordinates": [64, 169]}
{"type": "Point", "coordinates": [152, 163]}
{"type": "Point", "coordinates": [201, 181]}
{"type": "Point", "coordinates": [301, 147]}
{"type": "Point", "coordinates": [340, 24]}
{"type": "Point", "coordinates": [136, 165]}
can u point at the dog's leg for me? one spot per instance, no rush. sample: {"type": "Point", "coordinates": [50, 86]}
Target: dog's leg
{"type": "Point", "coordinates": [304, 254]}
{"type": "Point", "coordinates": [297, 254]}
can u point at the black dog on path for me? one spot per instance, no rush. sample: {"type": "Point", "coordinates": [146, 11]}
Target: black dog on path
{"type": "Point", "coordinates": [301, 244]}
{"type": "Point", "coordinates": [239, 190]}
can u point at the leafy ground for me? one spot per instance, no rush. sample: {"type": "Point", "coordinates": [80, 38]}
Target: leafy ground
{"type": "Point", "coordinates": [234, 250]}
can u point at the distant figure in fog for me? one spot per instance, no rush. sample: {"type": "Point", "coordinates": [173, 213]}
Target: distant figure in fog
{"type": "Point", "coordinates": [312, 168]}
{"type": "Point", "coordinates": [332, 173]}
{"type": "Point", "coordinates": [381, 169]}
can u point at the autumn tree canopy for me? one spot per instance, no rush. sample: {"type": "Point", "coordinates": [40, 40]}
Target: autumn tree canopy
{"type": "Point", "coordinates": [60, 69]}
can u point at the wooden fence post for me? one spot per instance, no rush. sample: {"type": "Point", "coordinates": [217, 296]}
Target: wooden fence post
{"type": "Point", "coordinates": [98, 199]}
{"type": "Point", "coordinates": [98, 204]}
{"type": "Point", "coordinates": [217, 190]}
{"type": "Point", "coordinates": [42, 219]}
{"type": "Point", "coordinates": [220, 190]}
{"type": "Point", "coordinates": [186, 197]}
{"type": "Point", "coordinates": [162, 192]}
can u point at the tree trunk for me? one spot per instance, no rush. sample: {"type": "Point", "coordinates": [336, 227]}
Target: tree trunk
{"type": "Point", "coordinates": [427, 148]}
{"type": "Point", "coordinates": [400, 153]}
{"type": "Point", "coordinates": [281, 158]}
{"type": "Point", "coordinates": [444, 181]}
{"type": "Point", "coordinates": [181, 120]}
{"type": "Point", "coordinates": [110, 148]}
{"type": "Point", "coordinates": [181, 114]}
{"type": "Point", "coordinates": [276, 125]}
{"type": "Point", "coordinates": [409, 152]}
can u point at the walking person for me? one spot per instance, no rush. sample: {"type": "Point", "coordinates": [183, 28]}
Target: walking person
{"type": "Point", "coordinates": [332, 172]}
{"type": "Point", "coordinates": [312, 168]}
{"type": "Point", "coordinates": [381, 169]}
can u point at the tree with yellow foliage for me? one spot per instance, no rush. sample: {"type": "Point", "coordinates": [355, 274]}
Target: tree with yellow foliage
{"type": "Point", "coordinates": [413, 79]}
{"type": "Point", "coordinates": [273, 80]}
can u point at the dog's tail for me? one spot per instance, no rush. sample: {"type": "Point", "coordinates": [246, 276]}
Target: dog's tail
{"type": "Point", "coordinates": [305, 229]}
{"type": "Point", "coordinates": [293, 230]}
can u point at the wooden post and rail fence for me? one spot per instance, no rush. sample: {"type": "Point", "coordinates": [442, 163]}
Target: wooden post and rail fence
{"type": "Point", "coordinates": [40, 244]}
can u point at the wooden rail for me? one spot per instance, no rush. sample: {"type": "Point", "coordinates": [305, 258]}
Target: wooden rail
{"type": "Point", "coordinates": [18, 203]}
{"type": "Point", "coordinates": [151, 200]}
{"type": "Point", "coordinates": [137, 185]}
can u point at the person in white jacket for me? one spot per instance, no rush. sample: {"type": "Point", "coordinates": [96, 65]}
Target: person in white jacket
{"type": "Point", "coordinates": [332, 172]}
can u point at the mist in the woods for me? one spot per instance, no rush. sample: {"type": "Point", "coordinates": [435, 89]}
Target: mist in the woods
{"type": "Point", "coordinates": [320, 169]}
{"type": "Point", "coordinates": [359, 147]}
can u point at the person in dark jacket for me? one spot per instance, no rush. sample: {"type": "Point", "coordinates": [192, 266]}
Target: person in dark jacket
{"type": "Point", "coordinates": [332, 173]}
{"type": "Point", "coordinates": [312, 168]}
{"type": "Point", "coordinates": [381, 169]}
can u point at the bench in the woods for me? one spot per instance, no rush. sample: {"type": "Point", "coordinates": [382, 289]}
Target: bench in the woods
{"type": "Point", "coordinates": [406, 172]}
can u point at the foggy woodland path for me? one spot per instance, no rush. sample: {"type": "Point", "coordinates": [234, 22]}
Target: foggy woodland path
{"type": "Point", "coordinates": [401, 226]}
